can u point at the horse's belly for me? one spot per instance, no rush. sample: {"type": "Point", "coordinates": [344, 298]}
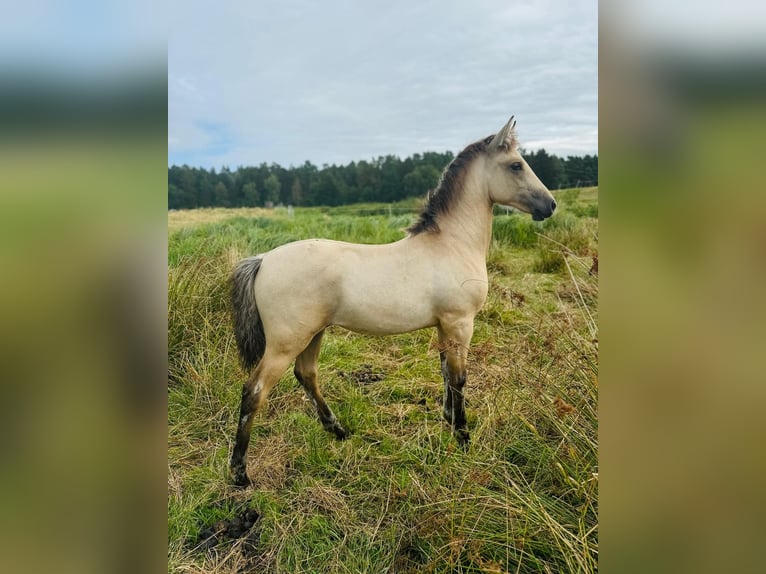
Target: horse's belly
{"type": "Point", "coordinates": [378, 317]}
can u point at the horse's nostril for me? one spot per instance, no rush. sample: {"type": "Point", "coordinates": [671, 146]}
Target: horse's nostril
{"type": "Point", "coordinates": [553, 205]}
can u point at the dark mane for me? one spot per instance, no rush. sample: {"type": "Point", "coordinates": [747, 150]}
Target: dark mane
{"type": "Point", "coordinates": [439, 200]}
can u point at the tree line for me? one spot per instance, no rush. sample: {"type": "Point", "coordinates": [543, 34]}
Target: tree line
{"type": "Point", "coordinates": [385, 179]}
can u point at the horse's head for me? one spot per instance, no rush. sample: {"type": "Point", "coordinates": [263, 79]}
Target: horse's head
{"type": "Point", "coordinates": [511, 181]}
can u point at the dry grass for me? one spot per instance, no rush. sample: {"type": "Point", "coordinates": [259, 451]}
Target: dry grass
{"type": "Point", "coordinates": [188, 218]}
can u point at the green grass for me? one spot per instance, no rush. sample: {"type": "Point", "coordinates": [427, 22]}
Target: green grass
{"type": "Point", "coordinates": [398, 496]}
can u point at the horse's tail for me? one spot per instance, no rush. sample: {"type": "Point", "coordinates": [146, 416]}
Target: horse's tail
{"type": "Point", "coordinates": [248, 327]}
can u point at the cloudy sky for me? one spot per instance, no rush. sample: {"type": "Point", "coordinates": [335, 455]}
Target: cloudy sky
{"type": "Point", "coordinates": [287, 81]}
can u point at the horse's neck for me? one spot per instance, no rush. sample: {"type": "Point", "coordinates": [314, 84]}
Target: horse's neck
{"type": "Point", "coordinates": [468, 224]}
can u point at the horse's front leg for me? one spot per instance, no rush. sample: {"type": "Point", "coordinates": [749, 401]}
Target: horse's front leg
{"type": "Point", "coordinates": [447, 402]}
{"type": "Point", "coordinates": [454, 340]}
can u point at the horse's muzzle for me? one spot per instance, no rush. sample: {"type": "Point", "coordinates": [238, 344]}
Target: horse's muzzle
{"type": "Point", "coordinates": [540, 214]}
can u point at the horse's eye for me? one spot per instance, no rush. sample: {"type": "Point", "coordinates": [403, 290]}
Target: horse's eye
{"type": "Point", "coordinates": [516, 166]}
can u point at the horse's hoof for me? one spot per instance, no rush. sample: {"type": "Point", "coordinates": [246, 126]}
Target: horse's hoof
{"type": "Point", "coordinates": [463, 438]}
{"type": "Point", "coordinates": [339, 432]}
{"type": "Point", "coordinates": [239, 476]}
{"type": "Point", "coordinates": [242, 480]}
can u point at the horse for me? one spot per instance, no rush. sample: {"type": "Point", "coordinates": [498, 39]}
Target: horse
{"type": "Point", "coordinates": [436, 276]}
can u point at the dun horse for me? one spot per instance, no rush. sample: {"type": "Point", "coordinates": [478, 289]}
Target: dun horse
{"type": "Point", "coordinates": [284, 300]}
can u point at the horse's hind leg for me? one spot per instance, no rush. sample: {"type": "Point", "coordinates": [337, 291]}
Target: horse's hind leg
{"type": "Point", "coordinates": [306, 373]}
{"type": "Point", "coordinates": [454, 339]}
{"type": "Point", "coordinates": [254, 393]}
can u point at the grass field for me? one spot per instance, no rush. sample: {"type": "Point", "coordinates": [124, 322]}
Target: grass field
{"type": "Point", "coordinates": [398, 496]}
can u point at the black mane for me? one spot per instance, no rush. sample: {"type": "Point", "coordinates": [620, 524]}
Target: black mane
{"type": "Point", "coordinates": [439, 200]}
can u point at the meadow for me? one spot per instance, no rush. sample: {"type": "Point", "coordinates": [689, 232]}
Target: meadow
{"type": "Point", "coordinates": [399, 495]}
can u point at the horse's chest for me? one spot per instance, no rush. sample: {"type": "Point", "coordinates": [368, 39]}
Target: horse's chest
{"type": "Point", "coordinates": [475, 292]}
{"type": "Point", "coordinates": [462, 291]}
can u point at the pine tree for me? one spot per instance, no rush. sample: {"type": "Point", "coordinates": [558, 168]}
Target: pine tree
{"type": "Point", "coordinates": [221, 195]}
{"type": "Point", "coordinates": [250, 193]}
{"type": "Point", "coordinates": [272, 187]}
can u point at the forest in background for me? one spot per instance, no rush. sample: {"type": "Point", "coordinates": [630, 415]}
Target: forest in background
{"type": "Point", "coordinates": [385, 179]}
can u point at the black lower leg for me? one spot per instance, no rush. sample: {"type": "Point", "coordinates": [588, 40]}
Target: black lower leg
{"type": "Point", "coordinates": [447, 403]}
{"type": "Point", "coordinates": [329, 422]}
{"type": "Point", "coordinates": [457, 384]}
{"type": "Point", "coordinates": [238, 463]}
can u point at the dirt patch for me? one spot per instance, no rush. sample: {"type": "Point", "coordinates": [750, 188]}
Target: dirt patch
{"type": "Point", "coordinates": [240, 526]}
{"type": "Point", "coordinates": [363, 376]}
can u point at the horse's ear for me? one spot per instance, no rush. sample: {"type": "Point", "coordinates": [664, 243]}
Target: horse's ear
{"type": "Point", "coordinates": [502, 139]}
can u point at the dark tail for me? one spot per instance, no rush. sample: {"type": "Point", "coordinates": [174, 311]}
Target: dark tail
{"type": "Point", "coordinates": [248, 327]}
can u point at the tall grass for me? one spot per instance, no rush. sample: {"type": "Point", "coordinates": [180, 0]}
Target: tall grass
{"type": "Point", "coordinates": [398, 496]}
